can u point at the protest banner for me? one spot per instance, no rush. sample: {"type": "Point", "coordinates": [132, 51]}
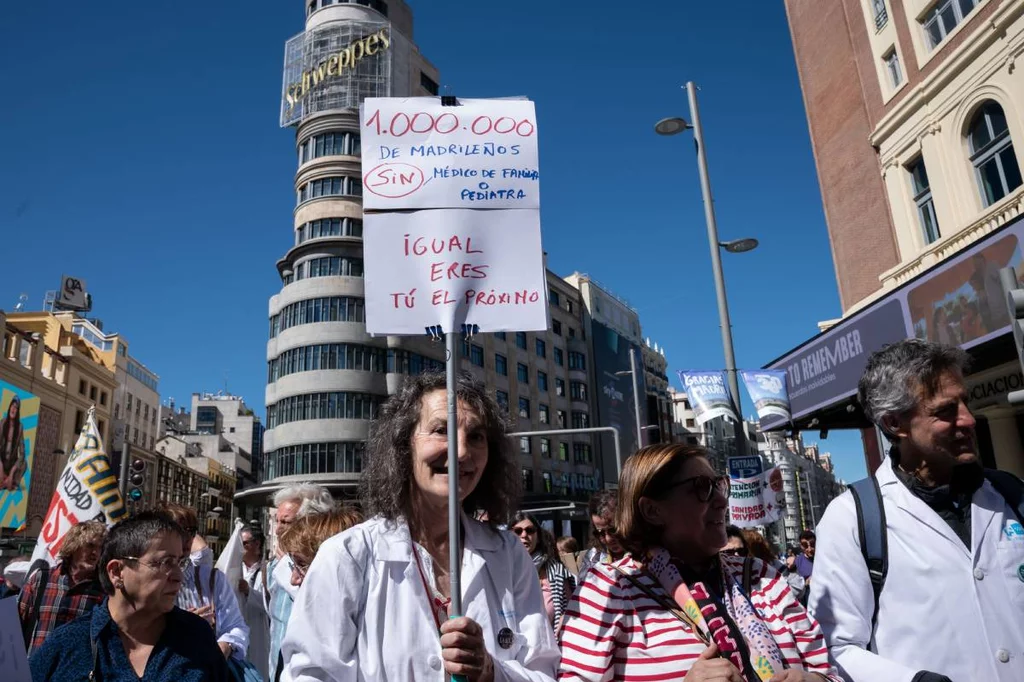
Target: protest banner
{"type": "Point", "coordinates": [451, 267]}
{"type": "Point", "coordinates": [755, 501]}
{"type": "Point", "coordinates": [768, 390]}
{"type": "Point", "coordinates": [86, 491]}
{"type": "Point", "coordinates": [708, 394]}
{"type": "Point", "coordinates": [418, 153]}
{"type": "Point", "coordinates": [13, 660]}
{"type": "Point", "coordinates": [19, 419]}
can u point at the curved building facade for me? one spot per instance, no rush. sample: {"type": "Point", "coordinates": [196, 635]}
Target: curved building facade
{"type": "Point", "coordinates": [326, 376]}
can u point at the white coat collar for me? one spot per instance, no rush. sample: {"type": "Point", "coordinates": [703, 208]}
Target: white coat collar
{"type": "Point", "coordinates": [394, 542]}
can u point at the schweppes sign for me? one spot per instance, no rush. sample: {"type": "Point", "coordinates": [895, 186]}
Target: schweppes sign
{"type": "Point", "coordinates": [337, 64]}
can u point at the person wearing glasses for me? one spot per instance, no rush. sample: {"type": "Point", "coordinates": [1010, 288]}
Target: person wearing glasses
{"type": "Point", "coordinates": [137, 632]}
{"type": "Point", "coordinates": [375, 602]}
{"type": "Point", "coordinates": [677, 607]}
{"type": "Point", "coordinates": [206, 591]}
{"type": "Point", "coordinates": [557, 584]}
{"type": "Point", "coordinates": [735, 543]}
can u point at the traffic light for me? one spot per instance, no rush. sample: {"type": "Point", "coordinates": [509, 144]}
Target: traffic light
{"type": "Point", "coordinates": [1015, 306]}
{"type": "Point", "coordinates": [136, 480]}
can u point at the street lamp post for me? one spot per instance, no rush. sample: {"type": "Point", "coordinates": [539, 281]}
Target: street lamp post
{"type": "Point", "coordinates": [636, 395]}
{"type": "Point", "coordinates": [674, 126]}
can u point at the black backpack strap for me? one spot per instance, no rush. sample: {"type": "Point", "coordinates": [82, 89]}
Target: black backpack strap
{"type": "Point", "coordinates": [29, 626]}
{"type": "Point", "coordinates": [748, 577]}
{"type": "Point", "coordinates": [871, 530]}
{"type": "Point", "coordinates": [1010, 487]}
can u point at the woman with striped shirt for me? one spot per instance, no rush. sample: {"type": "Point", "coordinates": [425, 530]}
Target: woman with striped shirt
{"type": "Point", "coordinates": [677, 608]}
{"type": "Point", "coordinates": [557, 585]}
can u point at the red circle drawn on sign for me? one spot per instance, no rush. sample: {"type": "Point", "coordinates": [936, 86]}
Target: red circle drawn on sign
{"type": "Point", "coordinates": [393, 180]}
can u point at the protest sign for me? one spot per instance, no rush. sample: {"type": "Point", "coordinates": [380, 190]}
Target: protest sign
{"type": "Point", "coordinates": [417, 153]}
{"type": "Point", "coordinates": [450, 267]}
{"type": "Point", "coordinates": [767, 388]}
{"type": "Point", "coordinates": [13, 660]}
{"type": "Point", "coordinates": [86, 491]}
{"type": "Point", "coordinates": [755, 501]}
{"type": "Point", "coordinates": [708, 394]}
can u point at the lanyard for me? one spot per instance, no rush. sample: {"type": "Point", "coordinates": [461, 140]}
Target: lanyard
{"type": "Point", "coordinates": [438, 606]}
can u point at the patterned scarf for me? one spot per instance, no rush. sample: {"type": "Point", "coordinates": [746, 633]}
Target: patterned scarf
{"type": "Point", "coordinates": [739, 632]}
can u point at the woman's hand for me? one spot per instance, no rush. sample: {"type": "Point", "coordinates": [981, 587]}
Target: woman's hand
{"type": "Point", "coordinates": [798, 676]}
{"type": "Point", "coordinates": [225, 649]}
{"type": "Point", "coordinates": [207, 613]}
{"type": "Point", "coordinates": [708, 668]}
{"type": "Point", "coordinates": [463, 650]}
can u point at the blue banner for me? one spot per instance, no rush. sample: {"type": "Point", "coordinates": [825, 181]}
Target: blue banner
{"type": "Point", "coordinates": [709, 395]}
{"type": "Point", "coordinates": [745, 467]}
{"type": "Point", "coordinates": [768, 390]}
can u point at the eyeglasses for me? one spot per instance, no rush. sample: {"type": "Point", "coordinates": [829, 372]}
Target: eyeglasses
{"type": "Point", "coordinates": [297, 567]}
{"type": "Point", "coordinates": [166, 565]}
{"type": "Point", "coordinates": [807, 543]}
{"type": "Point", "coordinates": [531, 530]}
{"type": "Point", "coordinates": [735, 551]}
{"type": "Point", "coordinates": [705, 486]}
{"type": "Point", "coordinates": [610, 532]}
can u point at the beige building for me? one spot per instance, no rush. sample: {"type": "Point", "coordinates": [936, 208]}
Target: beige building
{"type": "Point", "coordinates": [916, 115]}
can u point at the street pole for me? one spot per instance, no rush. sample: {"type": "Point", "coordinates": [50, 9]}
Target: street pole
{"type": "Point", "coordinates": [716, 264]}
{"type": "Point", "coordinates": [636, 397]}
{"type": "Point", "coordinates": [125, 458]}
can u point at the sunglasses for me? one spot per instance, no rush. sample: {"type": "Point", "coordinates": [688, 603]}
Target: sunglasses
{"type": "Point", "coordinates": [531, 530]}
{"type": "Point", "coordinates": [805, 544]}
{"type": "Point", "coordinates": [704, 486]}
{"type": "Point", "coordinates": [735, 551]}
{"type": "Point", "coordinates": [297, 567]}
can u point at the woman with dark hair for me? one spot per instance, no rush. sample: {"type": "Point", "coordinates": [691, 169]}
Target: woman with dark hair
{"type": "Point", "coordinates": [678, 608]}
{"type": "Point", "coordinates": [137, 632]}
{"type": "Point", "coordinates": [12, 447]}
{"type": "Point", "coordinates": [557, 584]}
{"type": "Point", "coordinates": [605, 546]}
{"type": "Point", "coordinates": [760, 549]}
{"type": "Point", "coordinates": [374, 602]}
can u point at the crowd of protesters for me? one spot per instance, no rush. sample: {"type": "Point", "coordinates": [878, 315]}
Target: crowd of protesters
{"type": "Point", "coordinates": [665, 590]}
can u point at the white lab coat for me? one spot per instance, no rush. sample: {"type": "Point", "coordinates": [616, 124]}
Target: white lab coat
{"type": "Point", "coordinates": [943, 608]}
{"type": "Point", "coordinates": [363, 613]}
{"type": "Point", "coordinates": [254, 611]}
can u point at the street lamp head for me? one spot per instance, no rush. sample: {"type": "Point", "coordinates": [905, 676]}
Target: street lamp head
{"type": "Point", "coordinates": [739, 245]}
{"type": "Point", "coordinates": [671, 126]}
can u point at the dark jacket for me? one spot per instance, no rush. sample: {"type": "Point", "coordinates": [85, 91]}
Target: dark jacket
{"type": "Point", "coordinates": [186, 652]}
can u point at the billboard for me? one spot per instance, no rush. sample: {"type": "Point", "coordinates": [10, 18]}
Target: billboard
{"type": "Point", "coordinates": [72, 294]}
{"type": "Point", "coordinates": [615, 393]}
{"type": "Point", "coordinates": [19, 420]}
{"type": "Point", "coordinates": [336, 66]}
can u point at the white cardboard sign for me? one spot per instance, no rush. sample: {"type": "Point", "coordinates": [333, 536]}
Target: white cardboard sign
{"type": "Point", "coordinates": [13, 660]}
{"type": "Point", "coordinates": [450, 267]}
{"type": "Point", "coordinates": [417, 153]}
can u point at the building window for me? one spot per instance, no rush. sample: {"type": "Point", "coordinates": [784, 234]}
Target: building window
{"type": "Point", "coordinates": [528, 480]}
{"type": "Point", "coordinates": [560, 418]}
{"type": "Point", "coordinates": [545, 447]}
{"type": "Point", "coordinates": [542, 349]}
{"type": "Point", "coordinates": [556, 327]}
{"type": "Point", "coordinates": [329, 144]}
{"type": "Point", "coordinates": [404, 362]}
{"type": "Point", "coordinates": [92, 393]}
{"type": "Point", "coordinates": [333, 405]}
{"type": "Point", "coordinates": [524, 445]}
{"type": "Point", "coordinates": [881, 15]}
{"type": "Point", "coordinates": [581, 453]}
{"type": "Point", "coordinates": [559, 359]}
{"type": "Point", "coordinates": [524, 408]}
{"type": "Point", "coordinates": [546, 476]}
{"type": "Point", "coordinates": [328, 309]}
{"type": "Point", "coordinates": [428, 84]}
{"type": "Point", "coordinates": [502, 398]}
{"type": "Point", "coordinates": [995, 164]}
{"type": "Point", "coordinates": [542, 380]}
{"type": "Point", "coordinates": [560, 387]}
{"type": "Point", "coordinates": [128, 403]}
{"type": "Point", "coordinates": [944, 17]}
{"type": "Point", "coordinates": [577, 361]}
{"type": "Point", "coordinates": [521, 340]}
{"type": "Point", "coordinates": [501, 364]}
{"type": "Point", "coordinates": [580, 420]}
{"type": "Point", "coordinates": [329, 227]}
{"type": "Point", "coordinates": [572, 333]}
{"type": "Point", "coordinates": [563, 452]}
{"type": "Point", "coordinates": [923, 200]}
{"type": "Point", "coordinates": [330, 266]}
{"type": "Point", "coordinates": [316, 458]}
{"type": "Point", "coordinates": [327, 356]}
{"type": "Point", "coordinates": [82, 387]}
{"type": "Point", "coordinates": [523, 373]}
{"type": "Point", "coordinates": [553, 298]}
{"type": "Point", "coordinates": [544, 414]}
{"type": "Point", "coordinates": [892, 66]}
{"type": "Point", "coordinates": [578, 390]}
{"type": "Point", "coordinates": [340, 185]}
{"type": "Point", "coordinates": [476, 355]}
{"type": "Point", "coordinates": [499, 335]}
{"type": "Point", "coordinates": [103, 398]}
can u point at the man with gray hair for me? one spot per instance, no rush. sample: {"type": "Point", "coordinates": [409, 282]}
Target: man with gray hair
{"type": "Point", "coordinates": [292, 503]}
{"type": "Point", "coordinates": [944, 597]}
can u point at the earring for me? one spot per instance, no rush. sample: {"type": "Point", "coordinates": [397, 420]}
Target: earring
{"type": "Point", "coordinates": [119, 585]}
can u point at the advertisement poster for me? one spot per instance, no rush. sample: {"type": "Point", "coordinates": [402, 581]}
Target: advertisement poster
{"type": "Point", "coordinates": [709, 395]}
{"type": "Point", "coordinates": [86, 491]}
{"type": "Point", "coordinates": [615, 387]}
{"type": "Point", "coordinates": [755, 501]}
{"type": "Point", "coordinates": [767, 388]}
{"type": "Point", "coordinates": [19, 419]}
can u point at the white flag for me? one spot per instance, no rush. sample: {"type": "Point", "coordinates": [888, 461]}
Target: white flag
{"type": "Point", "coordinates": [86, 491]}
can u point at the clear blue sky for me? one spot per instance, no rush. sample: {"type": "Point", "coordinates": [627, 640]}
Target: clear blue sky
{"type": "Point", "coordinates": [140, 151]}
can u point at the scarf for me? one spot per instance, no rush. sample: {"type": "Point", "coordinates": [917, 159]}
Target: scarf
{"type": "Point", "coordinates": [742, 637]}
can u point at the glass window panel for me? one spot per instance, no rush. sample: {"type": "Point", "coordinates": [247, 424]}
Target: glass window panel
{"type": "Point", "coordinates": [1011, 169]}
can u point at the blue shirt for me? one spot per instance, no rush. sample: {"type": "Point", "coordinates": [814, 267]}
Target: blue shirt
{"type": "Point", "coordinates": [187, 651]}
{"type": "Point", "coordinates": [280, 610]}
{"type": "Point", "coordinates": [804, 566]}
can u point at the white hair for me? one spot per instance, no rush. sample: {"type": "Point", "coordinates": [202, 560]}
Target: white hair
{"type": "Point", "coordinates": [312, 498]}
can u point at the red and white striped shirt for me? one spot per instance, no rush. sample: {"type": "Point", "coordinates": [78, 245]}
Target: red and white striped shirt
{"type": "Point", "coordinates": [613, 631]}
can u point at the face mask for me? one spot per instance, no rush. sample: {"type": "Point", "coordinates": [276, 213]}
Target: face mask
{"type": "Point", "coordinates": [203, 556]}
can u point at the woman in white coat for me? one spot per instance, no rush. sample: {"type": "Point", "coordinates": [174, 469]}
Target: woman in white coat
{"type": "Point", "coordinates": [374, 604]}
